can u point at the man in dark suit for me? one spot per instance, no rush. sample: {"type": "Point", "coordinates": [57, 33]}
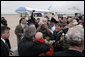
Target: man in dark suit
{"type": "Point", "coordinates": [4, 23]}
{"type": "Point", "coordinates": [5, 32]}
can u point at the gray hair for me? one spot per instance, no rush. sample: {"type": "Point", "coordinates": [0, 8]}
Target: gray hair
{"type": "Point", "coordinates": [30, 32]}
{"type": "Point", "coordinates": [75, 36]}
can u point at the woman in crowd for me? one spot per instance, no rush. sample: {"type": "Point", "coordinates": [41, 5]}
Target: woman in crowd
{"type": "Point", "coordinates": [19, 30]}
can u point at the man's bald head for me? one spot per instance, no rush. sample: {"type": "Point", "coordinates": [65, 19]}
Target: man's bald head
{"type": "Point", "coordinates": [39, 35]}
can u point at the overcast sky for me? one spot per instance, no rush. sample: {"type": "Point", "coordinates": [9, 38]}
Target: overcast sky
{"type": "Point", "coordinates": [9, 7]}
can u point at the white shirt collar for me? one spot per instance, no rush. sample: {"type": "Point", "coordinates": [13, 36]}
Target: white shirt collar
{"type": "Point", "coordinates": [3, 40]}
{"type": "Point", "coordinates": [53, 28]}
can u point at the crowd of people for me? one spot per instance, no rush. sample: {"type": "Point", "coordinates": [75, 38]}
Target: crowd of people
{"type": "Point", "coordinates": [64, 37]}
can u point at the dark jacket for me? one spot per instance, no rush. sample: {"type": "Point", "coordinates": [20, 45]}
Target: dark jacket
{"type": "Point", "coordinates": [8, 42]}
{"type": "Point", "coordinates": [60, 46]}
{"type": "Point", "coordinates": [33, 20]}
{"type": "Point", "coordinates": [68, 53]}
{"type": "Point", "coordinates": [56, 35]}
{"type": "Point", "coordinates": [28, 47]}
{"type": "Point", "coordinates": [4, 49]}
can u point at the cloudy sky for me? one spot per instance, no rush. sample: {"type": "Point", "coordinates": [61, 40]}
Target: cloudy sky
{"type": "Point", "coordinates": [9, 7]}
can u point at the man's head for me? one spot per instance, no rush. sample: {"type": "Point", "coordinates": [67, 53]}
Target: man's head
{"type": "Point", "coordinates": [60, 19]}
{"type": "Point", "coordinates": [30, 32]}
{"type": "Point", "coordinates": [75, 36]}
{"type": "Point", "coordinates": [3, 21]}
{"type": "Point", "coordinates": [45, 21]}
{"type": "Point", "coordinates": [64, 19]}
{"type": "Point", "coordinates": [58, 26]}
{"type": "Point", "coordinates": [69, 19]}
{"type": "Point", "coordinates": [53, 21]}
{"type": "Point", "coordinates": [5, 33]}
{"type": "Point", "coordinates": [38, 35]}
{"type": "Point", "coordinates": [47, 17]}
{"type": "Point", "coordinates": [77, 14]}
{"type": "Point", "coordinates": [38, 20]}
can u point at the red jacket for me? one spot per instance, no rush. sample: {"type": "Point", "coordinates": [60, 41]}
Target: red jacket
{"type": "Point", "coordinates": [40, 41]}
{"type": "Point", "coordinates": [48, 53]}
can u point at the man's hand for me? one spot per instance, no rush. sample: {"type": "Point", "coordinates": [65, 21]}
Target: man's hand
{"type": "Point", "coordinates": [11, 54]}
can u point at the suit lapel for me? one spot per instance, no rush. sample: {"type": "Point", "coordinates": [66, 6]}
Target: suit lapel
{"type": "Point", "coordinates": [4, 44]}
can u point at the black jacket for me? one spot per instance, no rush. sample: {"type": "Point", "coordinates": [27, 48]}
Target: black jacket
{"type": "Point", "coordinates": [8, 42]}
{"type": "Point", "coordinates": [29, 47]}
{"type": "Point", "coordinates": [4, 49]}
{"type": "Point", "coordinates": [68, 53]}
{"type": "Point", "coordinates": [56, 35]}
